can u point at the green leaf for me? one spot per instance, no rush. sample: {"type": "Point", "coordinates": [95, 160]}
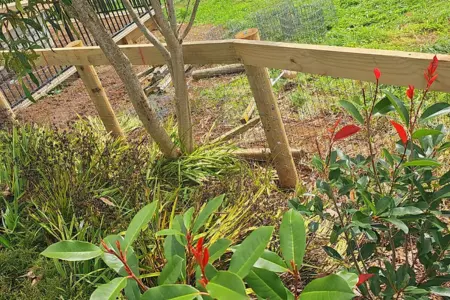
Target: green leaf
{"type": "Point", "coordinates": [442, 193]}
{"type": "Point", "coordinates": [266, 284]}
{"type": "Point", "coordinates": [4, 241]}
{"type": "Point", "coordinates": [171, 271]}
{"type": "Point", "coordinates": [210, 207]}
{"type": "Point", "coordinates": [435, 110]}
{"type": "Point", "coordinates": [367, 250]}
{"type": "Point", "coordinates": [398, 223]}
{"type": "Point", "coordinates": [332, 287]}
{"type": "Point", "coordinates": [406, 210]}
{"type": "Point", "coordinates": [113, 262]}
{"type": "Point", "coordinates": [440, 291]}
{"type": "Point", "coordinates": [332, 253]}
{"type": "Point", "coordinates": [399, 106]}
{"type": "Point", "coordinates": [444, 178]}
{"type": "Point", "coordinates": [171, 292]}
{"type": "Point", "coordinates": [293, 238]}
{"type": "Point", "coordinates": [226, 285]}
{"type": "Point", "coordinates": [218, 248]}
{"type": "Point", "coordinates": [250, 250]}
{"type": "Point", "coordinates": [168, 232]}
{"type": "Point", "coordinates": [139, 221]}
{"type": "Point", "coordinates": [351, 109]}
{"type": "Point", "coordinates": [420, 133]}
{"type": "Point", "coordinates": [383, 107]}
{"type": "Point", "coordinates": [72, 251]}
{"type": "Point", "coordinates": [272, 262]}
{"type": "Point", "coordinates": [424, 162]}
{"type": "Point", "coordinates": [110, 290]}
{"type": "Point", "coordinates": [132, 290]}
{"type": "Point", "coordinates": [187, 218]}
{"type": "Point", "coordinates": [350, 278]}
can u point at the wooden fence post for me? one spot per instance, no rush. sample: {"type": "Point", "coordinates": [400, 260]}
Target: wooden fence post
{"type": "Point", "coordinates": [97, 94]}
{"type": "Point", "coordinates": [270, 115]}
{"type": "Point", "coordinates": [7, 116]}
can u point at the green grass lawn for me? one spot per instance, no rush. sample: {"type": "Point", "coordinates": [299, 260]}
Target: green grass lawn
{"type": "Point", "coordinates": [414, 25]}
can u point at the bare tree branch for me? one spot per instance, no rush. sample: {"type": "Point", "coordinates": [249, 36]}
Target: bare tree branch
{"type": "Point", "coordinates": [191, 21]}
{"type": "Point", "coordinates": [163, 23]}
{"type": "Point", "coordinates": [172, 16]}
{"type": "Point", "coordinates": [150, 36]}
{"type": "Point", "coordinates": [184, 17]}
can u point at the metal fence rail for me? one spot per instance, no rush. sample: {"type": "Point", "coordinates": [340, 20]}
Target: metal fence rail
{"type": "Point", "coordinates": [57, 34]}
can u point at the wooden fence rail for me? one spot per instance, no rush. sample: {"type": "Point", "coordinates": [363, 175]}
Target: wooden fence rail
{"type": "Point", "coordinates": [398, 68]}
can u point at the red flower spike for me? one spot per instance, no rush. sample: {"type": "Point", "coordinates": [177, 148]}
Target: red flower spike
{"type": "Point", "coordinates": [431, 80]}
{"type": "Point", "coordinates": [363, 278]}
{"type": "Point", "coordinates": [205, 257]}
{"type": "Point", "coordinates": [203, 282]}
{"type": "Point", "coordinates": [377, 73]}
{"type": "Point", "coordinates": [401, 132]}
{"type": "Point", "coordinates": [346, 131]}
{"type": "Point", "coordinates": [410, 92]}
{"type": "Point", "coordinates": [430, 77]}
{"type": "Point", "coordinates": [200, 245]}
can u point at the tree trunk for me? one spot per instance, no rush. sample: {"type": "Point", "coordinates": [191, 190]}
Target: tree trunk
{"type": "Point", "coordinates": [7, 117]}
{"type": "Point", "coordinates": [84, 12]}
{"type": "Point", "coordinates": [182, 99]}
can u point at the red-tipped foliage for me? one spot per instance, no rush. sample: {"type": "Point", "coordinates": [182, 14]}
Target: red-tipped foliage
{"type": "Point", "coordinates": [346, 131]}
{"type": "Point", "coordinates": [410, 92]}
{"type": "Point", "coordinates": [401, 131]}
{"type": "Point", "coordinates": [430, 75]}
{"type": "Point", "coordinates": [363, 278]}
{"type": "Point", "coordinates": [377, 73]}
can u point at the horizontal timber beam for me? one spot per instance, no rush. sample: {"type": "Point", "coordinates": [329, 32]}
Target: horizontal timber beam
{"type": "Point", "coordinates": [397, 67]}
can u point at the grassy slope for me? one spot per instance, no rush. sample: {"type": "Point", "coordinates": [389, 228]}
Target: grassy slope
{"type": "Point", "coordinates": [418, 25]}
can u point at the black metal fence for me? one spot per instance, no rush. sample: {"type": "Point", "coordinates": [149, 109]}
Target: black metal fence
{"type": "Point", "coordinates": [57, 33]}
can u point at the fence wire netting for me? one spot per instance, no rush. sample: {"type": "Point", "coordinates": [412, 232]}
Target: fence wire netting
{"type": "Point", "coordinates": [301, 21]}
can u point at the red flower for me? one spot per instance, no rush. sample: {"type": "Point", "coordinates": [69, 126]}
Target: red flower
{"type": "Point", "coordinates": [202, 257]}
{"type": "Point", "coordinates": [363, 278]}
{"type": "Point", "coordinates": [377, 73]}
{"type": "Point", "coordinates": [430, 77]}
{"type": "Point", "coordinates": [410, 92]}
{"type": "Point", "coordinates": [401, 132]}
{"type": "Point", "coordinates": [346, 131]}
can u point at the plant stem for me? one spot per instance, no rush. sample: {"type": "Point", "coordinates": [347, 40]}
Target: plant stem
{"type": "Point", "coordinates": [391, 241]}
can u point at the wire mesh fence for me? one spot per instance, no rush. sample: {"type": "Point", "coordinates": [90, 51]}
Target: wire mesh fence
{"type": "Point", "coordinates": [301, 21]}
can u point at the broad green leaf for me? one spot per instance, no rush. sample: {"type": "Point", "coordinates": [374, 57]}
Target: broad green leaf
{"type": "Point", "coordinates": [420, 133]}
{"type": "Point", "coordinates": [171, 292]}
{"type": "Point", "coordinates": [383, 107]}
{"type": "Point", "coordinates": [444, 178]}
{"type": "Point", "coordinates": [367, 250]}
{"type": "Point", "coordinates": [406, 210]}
{"type": "Point", "coordinates": [218, 248]}
{"type": "Point", "coordinates": [139, 221]}
{"type": "Point", "coordinates": [272, 262]}
{"type": "Point", "coordinates": [113, 262]}
{"type": "Point", "coordinates": [351, 109]}
{"type": "Point", "coordinates": [442, 193]}
{"type": "Point", "coordinates": [210, 208]}
{"type": "Point", "coordinates": [350, 278]}
{"type": "Point", "coordinates": [168, 232]}
{"type": "Point", "coordinates": [332, 252]}
{"type": "Point", "coordinates": [173, 248]}
{"type": "Point", "coordinates": [110, 290]}
{"type": "Point", "coordinates": [293, 238]}
{"type": "Point", "coordinates": [435, 110]}
{"type": "Point", "coordinates": [4, 241]}
{"type": "Point", "coordinates": [399, 106]}
{"type": "Point", "coordinates": [441, 291]}
{"type": "Point", "coordinates": [72, 251]}
{"type": "Point", "coordinates": [266, 284]}
{"type": "Point", "coordinates": [424, 162]}
{"type": "Point", "coordinates": [187, 218]}
{"type": "Point", "coordinates": [132, 290]}
{"type": "Point", "coordinates": [250, 250]}
{"type": "Point", "coordinates": [332, 287]}
{"type": "Point", "coordinates": [226, 285]}
{"type": "Point", "coordinates": [399, 224]}
{"type": "Point", "coordinates": [171, 271]}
